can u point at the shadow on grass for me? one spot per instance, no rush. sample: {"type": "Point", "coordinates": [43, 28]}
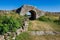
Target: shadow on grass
{"type": "Point", "coordinates": [57, 21]}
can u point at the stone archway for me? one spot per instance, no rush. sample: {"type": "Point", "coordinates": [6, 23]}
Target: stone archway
{"type": "Point", "coordinates": [33, 15]}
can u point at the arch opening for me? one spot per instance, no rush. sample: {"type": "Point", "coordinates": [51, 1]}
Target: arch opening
{"type": "Point", "coordinates": [31, 15]}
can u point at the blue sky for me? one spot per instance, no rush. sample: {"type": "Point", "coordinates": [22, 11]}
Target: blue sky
{"type": "Point", "coordinates": [45, 5]}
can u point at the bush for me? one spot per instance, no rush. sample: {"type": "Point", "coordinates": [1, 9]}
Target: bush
{"type": "Point", "coordinates": [10, 23]}
{"type": "Point", "coordinates": [43, 18]}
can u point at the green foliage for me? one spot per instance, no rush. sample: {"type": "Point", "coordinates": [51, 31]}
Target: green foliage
{"type": "Point", "coordinates": [49, 19]}
{"type": "Point", "coordinates": [3, 28]}
{"type": "Point", "coordinates": [43, 18]}
{"type": "Point", "coordinates": [10, 23]}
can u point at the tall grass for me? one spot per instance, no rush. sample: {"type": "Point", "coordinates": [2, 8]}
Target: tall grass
{"type": "Point", "coordinates": [54, 19]}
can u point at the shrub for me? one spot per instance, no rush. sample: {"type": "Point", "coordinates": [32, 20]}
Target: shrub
{"type": "Point", "coordinates": [43, 18]}
{"type": "Point", "coordinates": [10, 23]}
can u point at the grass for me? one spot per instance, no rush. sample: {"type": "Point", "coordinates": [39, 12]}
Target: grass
{"type": "Point", "coordinates": [23, 36]}
{"type": "Point", "coordinates": [27, 36]}
{"type": "Point", "coordinates": [45, 23]}
{"type": "Point", "coordinates": [46, 37]}
{"type": "Point", "coordinates": [39, 25]}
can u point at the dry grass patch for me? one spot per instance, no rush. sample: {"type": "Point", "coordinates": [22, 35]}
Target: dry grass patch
{"type": "Point", "coordinates": [39, 25]}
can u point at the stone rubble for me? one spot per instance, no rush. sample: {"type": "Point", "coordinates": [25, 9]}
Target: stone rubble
{"type": "Point", "coordinates": [44, 33]}
{"type": "Point", "coordinates": [2, 37]}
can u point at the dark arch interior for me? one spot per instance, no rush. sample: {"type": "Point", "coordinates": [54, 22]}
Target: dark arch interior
{"type": "Point", "coordinates": [32, 15]}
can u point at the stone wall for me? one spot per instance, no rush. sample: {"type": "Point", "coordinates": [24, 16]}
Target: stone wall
{"type": "Point", "coordinates": [53, 13]}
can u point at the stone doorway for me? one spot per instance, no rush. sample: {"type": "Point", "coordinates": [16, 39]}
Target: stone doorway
{"type": "Point", "coordinates": [31, 15]}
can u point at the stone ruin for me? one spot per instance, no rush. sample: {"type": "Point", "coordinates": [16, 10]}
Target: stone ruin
{"type": "Point", "coordinates": [35, 13]}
